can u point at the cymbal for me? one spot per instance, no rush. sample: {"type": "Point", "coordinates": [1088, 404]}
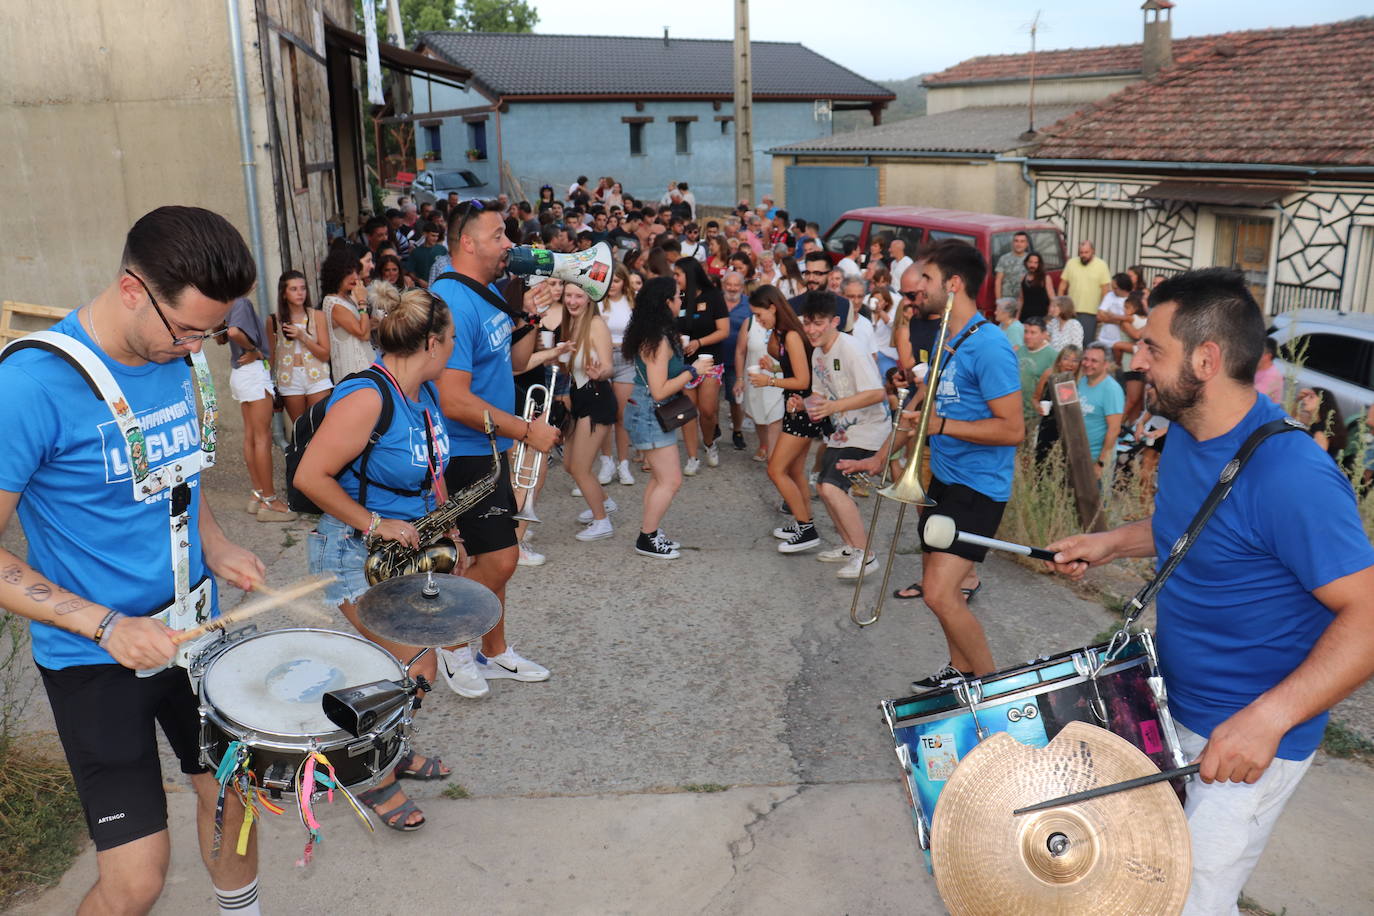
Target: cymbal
{"type": "Point", "coordinates": [1125, 854]}
{"type": "Point", "coordinates": [398, 609]}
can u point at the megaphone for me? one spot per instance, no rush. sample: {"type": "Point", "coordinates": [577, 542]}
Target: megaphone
{"type": "Point", "coordinates": [591, 269]}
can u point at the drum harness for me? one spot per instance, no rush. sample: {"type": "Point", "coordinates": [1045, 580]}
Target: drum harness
{"type": "Point", "coordinates": [1090, 665]}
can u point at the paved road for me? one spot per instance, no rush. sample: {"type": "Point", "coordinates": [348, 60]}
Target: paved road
{"type": "Point", "coordinates": [734, 666]}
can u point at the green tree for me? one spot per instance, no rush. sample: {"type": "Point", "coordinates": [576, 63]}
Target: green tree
{"type": "Point", "coordinates": [498, 16]}
{"type": "Point", "coordinates": [449, 16]}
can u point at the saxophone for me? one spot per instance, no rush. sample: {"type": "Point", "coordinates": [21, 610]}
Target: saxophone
{"type": "Point", "coordinates": [437, 552]}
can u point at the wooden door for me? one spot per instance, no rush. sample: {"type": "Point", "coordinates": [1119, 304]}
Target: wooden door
{"type": "Point", "coordinates": [1244, 242]}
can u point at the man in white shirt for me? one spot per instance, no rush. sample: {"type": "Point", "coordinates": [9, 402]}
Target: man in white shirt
{"type": "Point", "coordinates": [896, 253]}
{"type": "Point", "coordinates": [847, 391]}
{"type": "Point", "coordinates": [847, 265]}
{"type": "Point", "coordinates": [863, 331]}
{"type": "Point", "coordinates": [1112, 310]}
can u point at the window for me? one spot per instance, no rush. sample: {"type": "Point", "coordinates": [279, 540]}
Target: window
{"type": "Point", "coordinates": [637, 138]}
{"type": "Point", "coordinates": [477, 140]}
{"type": "Point", "coordinates": [1244, 242]}
{"type": "Point", "coordinates": [911, 235]}
{"type": "Point", "coordinates": [724, 126]}
{"type": "Point", "coordinates": [939, 235]}
{"type": "Point", "coordinates": [680, 131]}
{"type": "Point", "coordinates": [434, 143]}
{"type": "Point", "coordinates": [847, 231]}
{"type": "Point", "coordinates": [1341, 357]}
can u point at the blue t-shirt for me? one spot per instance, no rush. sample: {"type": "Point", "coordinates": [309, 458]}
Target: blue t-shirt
{"type": "Point", "coordinates": [1238, 616]}
{"type": "Point", "coordinates": [982, 369]}
{"type": "Point", "coordinates": [400, 459]}
{"type": "Point", "coordinates": [1099, 402]}
{"type": "Point", "coordinates": [738, 316]}
{"type": "Point", "coordinates": [481, 346]}
{"type": "Point", "coordinates": [64, 452]}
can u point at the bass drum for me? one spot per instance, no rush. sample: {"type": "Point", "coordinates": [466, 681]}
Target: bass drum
{"type": "Point", "coordinates": [266, 692]}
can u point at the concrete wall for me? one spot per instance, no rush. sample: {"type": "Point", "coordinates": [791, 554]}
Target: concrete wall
{"type": "Point", "coordinates": [554, 142]}
{"type": "Point", "coordinates": [112, 109]}
{"type": "Point", "coordinates": [982, 186]}
{"type": "Point", "coordinates": [1060, 91]}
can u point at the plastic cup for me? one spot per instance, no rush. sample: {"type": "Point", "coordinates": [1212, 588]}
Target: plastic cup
{"type": "Point", "coordinates": [546, 340]}
{"type": "Point", "coordinates": [755, 369]}
{"type": "Point", "coordinates": [708, 359]}
{"type": "Point", "coordinates": [685, 341]}
{"type": "Point", "coordinates": [1045, 408]}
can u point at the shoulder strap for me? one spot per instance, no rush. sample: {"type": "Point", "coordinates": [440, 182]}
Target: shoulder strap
{"type": "Point", "coordinates": [1225, 480]}
{"type": "Point", "coordinates": [383, 424]}
{"type": "Point", "coordinates": [480, 289]}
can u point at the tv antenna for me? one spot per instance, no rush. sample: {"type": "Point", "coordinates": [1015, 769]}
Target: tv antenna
{"type": "Point", "coordinates": [1034, 28]}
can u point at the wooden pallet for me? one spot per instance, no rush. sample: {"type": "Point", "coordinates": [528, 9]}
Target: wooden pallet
{"type": "Point", "coordinates": [20, 318]}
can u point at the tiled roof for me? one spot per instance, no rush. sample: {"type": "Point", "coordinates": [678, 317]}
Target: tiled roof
{"type": "Point", "coordinates": [1119, 60]}
{"type": "Point", "coordinates": [992, 129]}
{"type": "Point", "coordinates": [1301, 96]}
{"type": "Point", "coordinates": [513, 65]}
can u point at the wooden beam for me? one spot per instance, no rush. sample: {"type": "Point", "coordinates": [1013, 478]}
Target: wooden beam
{"type": "Point", "coordinates": [1082, 463]}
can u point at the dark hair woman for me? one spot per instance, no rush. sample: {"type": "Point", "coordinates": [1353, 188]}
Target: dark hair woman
{"type": "Point", "coordinates": [416, 339]}
{"type": "Point", "coordinates": [703, 320]}
{"type": "Point", "coordinates": [348, 323]}
{"type": "Point", "coordinates": [301, 354]}
{"type": "Point", "coordinates": [651, 343]}
{"type": "Point", "coordinates": [1035, 288]}
{"type": "Point", "coordinates": [1317, 408]}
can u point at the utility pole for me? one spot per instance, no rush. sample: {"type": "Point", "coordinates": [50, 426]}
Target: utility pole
{"type": "Point", "coordinates": [744, 107]}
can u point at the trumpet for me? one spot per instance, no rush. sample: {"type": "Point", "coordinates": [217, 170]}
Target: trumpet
{"type": "Point", "coordinates": [524, 473]}
{"type": "Point", "coordinates": [907, 489]}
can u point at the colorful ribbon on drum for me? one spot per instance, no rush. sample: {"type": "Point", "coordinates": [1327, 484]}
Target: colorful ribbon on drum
{"type": "Point", "coordinates": [234, 775]}
{"type": "Point", "coordinates": [314, 771]}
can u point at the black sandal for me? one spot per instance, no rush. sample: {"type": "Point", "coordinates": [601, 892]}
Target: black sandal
{"type": "Point", "coordinates": [432, 769]}
{"type": "Point", "coordinates": [916, 587]}
{"type": "Point", "coordinates": [397, 817]}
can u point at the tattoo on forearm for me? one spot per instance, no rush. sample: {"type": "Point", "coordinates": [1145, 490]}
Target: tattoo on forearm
{"type": "Point", "coordinates": [39, 591]}
{"type": "Point", "coordinates": [71, 606]}
{"type": "Point", "coordinates": [12, 574]}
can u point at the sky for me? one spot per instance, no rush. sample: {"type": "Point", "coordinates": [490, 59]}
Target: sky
{"type": "Point", "coordinates": [895, 39]}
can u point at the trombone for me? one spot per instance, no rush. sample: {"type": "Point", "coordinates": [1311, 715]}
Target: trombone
{"type": "Point", "coordinates": [907, 489]}
{"type": "Point", "coordinates": [524, 474]}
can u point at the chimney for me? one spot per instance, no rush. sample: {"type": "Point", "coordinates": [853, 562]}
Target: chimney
{"type": "Point", "coordinates": [665, 36]}
{"type": "Point", "coordinates": [1158, 49]}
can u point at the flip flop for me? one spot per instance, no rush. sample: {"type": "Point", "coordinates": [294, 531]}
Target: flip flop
{"type": "Point", "coordinates": [431, 770]}
{"type": "Point", "coordinates": [916, 587]}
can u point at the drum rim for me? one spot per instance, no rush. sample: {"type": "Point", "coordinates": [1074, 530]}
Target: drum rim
{"type": "Point", "coordinates": [243, 731]}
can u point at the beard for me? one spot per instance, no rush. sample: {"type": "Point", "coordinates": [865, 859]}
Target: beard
{"type": "Point", "coordinates": [1174, 402]}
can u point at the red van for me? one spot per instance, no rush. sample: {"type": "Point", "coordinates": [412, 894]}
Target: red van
{"type": "Point", "coordinates": [990, 233]}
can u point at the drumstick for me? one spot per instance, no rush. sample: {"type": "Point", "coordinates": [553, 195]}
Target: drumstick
{"type": "Point", "coordinates": [1136, 783]}
{"type": "Point", "coordinates": [940, 533]}
{"type": "Point", "coordinates": [276, 598]}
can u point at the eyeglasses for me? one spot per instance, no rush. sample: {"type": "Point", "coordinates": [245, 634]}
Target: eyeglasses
{"type": "Point", "coordinates": [185, 340]}
{"type": "Point", "coordinates": [814, 273]}
{"type": "Point", "coordinates": [910, 295]}
{"type": "Point", "coordinates": [474, 207]}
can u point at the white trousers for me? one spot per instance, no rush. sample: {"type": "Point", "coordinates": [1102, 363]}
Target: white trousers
{"type": "Point", "coordinates": [1229, 823]}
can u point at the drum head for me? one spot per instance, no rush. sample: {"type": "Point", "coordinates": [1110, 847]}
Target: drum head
{"type": "Point", "coordinates": [273, 683]}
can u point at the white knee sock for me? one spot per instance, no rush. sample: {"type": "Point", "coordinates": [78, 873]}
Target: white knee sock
{"type": "Point", "coordinates": [241, 902]}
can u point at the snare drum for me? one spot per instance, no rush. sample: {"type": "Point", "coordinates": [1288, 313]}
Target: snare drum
{"type": "Point", "coordinates": [1121, 692]}
{"type": "Point", "coordinates": [266, 690]}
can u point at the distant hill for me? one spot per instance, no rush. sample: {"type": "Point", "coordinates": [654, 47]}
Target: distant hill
{"type": "Point", "coordinates": [910, 103]}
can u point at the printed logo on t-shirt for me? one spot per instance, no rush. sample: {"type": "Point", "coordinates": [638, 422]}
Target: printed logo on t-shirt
{"type": "Point", "coordinates": [498, 330]}
{"type": "Point", "coordinates": [169, 432]}
{"type": "Point", "coordinates": [419, 445]}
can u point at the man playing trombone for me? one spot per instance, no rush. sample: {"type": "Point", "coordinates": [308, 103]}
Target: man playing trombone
{"type": "Point", "coordinates": [974, 430]}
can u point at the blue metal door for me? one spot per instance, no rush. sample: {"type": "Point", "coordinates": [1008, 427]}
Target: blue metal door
{"type": "Point", "coordinates": [820, 193]}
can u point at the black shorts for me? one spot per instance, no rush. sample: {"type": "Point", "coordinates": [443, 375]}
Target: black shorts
{"type": "Point", "coordinates": [831, 456]}
{"type": "Point", "coordinates": [488, 526]}
{"type": "Point", "coordinates": [972, 512]}
{"type": "Point", "coordinates": [799, 424]}
{"type": "Point", "coordinates": [105, 716]}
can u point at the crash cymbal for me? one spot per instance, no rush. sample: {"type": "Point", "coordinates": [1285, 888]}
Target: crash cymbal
{"type": "Point", "coordinates": [461, 610]}
{"type": "Point", "coordinates": [1125, 854]}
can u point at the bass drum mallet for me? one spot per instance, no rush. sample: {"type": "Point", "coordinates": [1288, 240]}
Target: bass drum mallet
{"type": "Point", "coordinates": [940, 533]}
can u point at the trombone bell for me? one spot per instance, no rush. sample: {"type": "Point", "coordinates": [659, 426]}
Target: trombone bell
{"type": "Point", "coordinates": [907, 488]}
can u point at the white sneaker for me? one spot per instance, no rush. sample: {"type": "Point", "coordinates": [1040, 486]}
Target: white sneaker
{"type": "Point", "coordinates": [586, 514]}
{"type": "Point", "coordinates": [691, 467]}
{"type": "Point", "coordinates": [510, 664]}
{"type": "Point", "coordinates": [851, 569]}
{"type": "Point", "coordinates": [576, 491]}
{"type": "Point", "coordinates": [606, 471]}
{"type": "Point", "coordinates": [461, 672]}
{"type": "Point", "coordinates": [841, 554]}
{"type": "Point", "coordinates": [785, 532]}
{"type": "Point", "coordinates": [626, 477]}
{"type": "Point", "coordinates": [811, 478]}
{"type": "Point", "coordinates": [598, 529]}
{"type": "Point", "coordinates": [712, 456]}
{"type": "Point", "coordinates": [529, 556]}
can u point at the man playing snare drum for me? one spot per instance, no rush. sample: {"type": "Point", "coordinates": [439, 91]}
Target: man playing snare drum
{"type": "Point", "coordinates": [102, 557]}
{"type": "Point", "coordinates": [1267, 622]}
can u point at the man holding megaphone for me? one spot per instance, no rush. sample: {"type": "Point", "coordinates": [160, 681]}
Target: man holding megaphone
{"type": "Point", "coordinates": [479, 380]}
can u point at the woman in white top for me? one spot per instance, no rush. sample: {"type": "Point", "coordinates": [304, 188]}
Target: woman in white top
{"type": "Point", "coordinates": [1065, 329]}
{"type": "Point", "coordinates": [790, 282]}
{"type": "Point", "coordinates": [302, 347]}
{"type": "Point", "coordinates": [593, 405]}
{"type": "Point", "coordinates": [349, 326]}
{"type": "Point", "coordinates": [883, 305]}
{"type": "Point", "coordinates": [616, 309]}
{"type": "Point", "coordinates": [763, 405]}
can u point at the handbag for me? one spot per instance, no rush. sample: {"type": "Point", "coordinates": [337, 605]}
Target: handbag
{"type": "Point", "coordinates": [675, 412]}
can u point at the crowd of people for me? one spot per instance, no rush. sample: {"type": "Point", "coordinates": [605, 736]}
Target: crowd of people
{"type": "Point", "coordinates": [444, 375]}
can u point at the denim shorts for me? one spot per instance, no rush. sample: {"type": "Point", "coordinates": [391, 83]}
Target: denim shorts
{"type": "Point", "coordinates": [335, 548]}
{"type": "Point", "coordinates": [641, 423]}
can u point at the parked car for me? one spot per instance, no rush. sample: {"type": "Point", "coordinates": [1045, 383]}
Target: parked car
{"type": "Point", "coordinates": [988, 232]}
{"type": "Point", "coordinates": [433, 185]}
{"type": "Point", "coordinates": [1331, 350]}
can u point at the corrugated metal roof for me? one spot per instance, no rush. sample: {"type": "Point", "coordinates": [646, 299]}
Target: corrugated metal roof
{"type": "Point", "coordinates": [512, 65]}
{"type": "Point", "coordinates": [992, 129]}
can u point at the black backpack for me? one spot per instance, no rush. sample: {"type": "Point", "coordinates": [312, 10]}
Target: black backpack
{"type": "Point", "coordinates": [305, 427]}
